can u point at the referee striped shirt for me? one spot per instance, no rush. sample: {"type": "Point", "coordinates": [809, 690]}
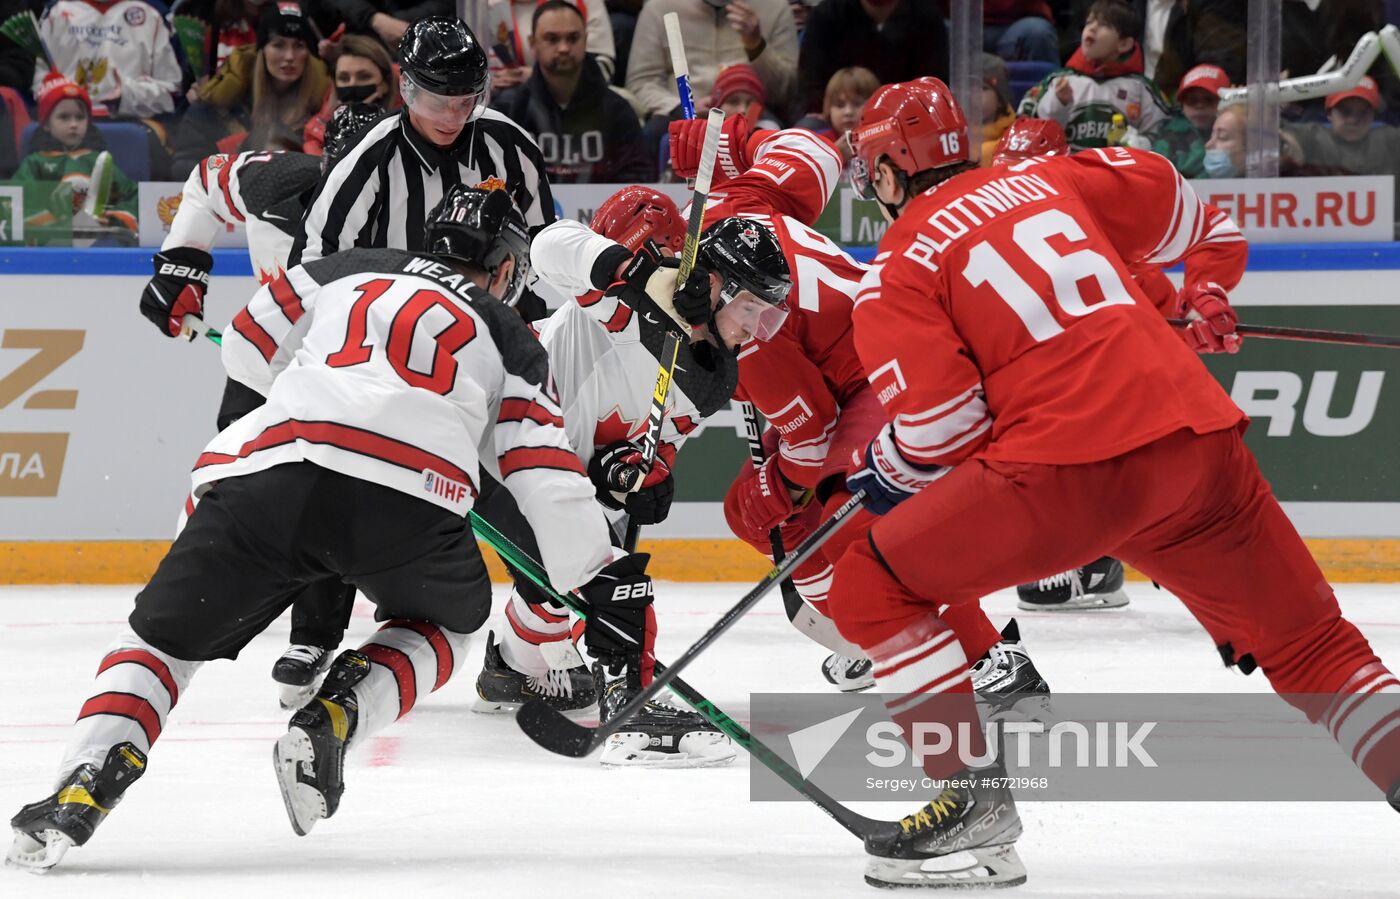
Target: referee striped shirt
{"type": "Point", "coordinates": [380, 193]}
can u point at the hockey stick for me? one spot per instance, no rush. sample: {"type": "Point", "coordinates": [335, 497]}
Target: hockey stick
{"type": "Point", "coordinates": [1313, 335]}
{"type": "Point", "coordinates": [192, 326]}
{"type": "Point", "coordinates": [556, 733]}
{"type": "Point", "coordinates": [858, 825]}
{"type": "Point", "coordinates": [808, 621]}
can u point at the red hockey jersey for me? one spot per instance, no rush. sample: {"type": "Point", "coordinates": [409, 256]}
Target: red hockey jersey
{"type": "Point", "coordinates": [1000, 318]}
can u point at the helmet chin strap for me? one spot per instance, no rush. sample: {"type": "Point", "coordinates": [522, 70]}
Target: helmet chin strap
{"type": "Point", "coordinates": [903, 181]}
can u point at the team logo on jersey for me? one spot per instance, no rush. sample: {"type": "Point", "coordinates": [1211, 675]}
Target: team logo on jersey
{"type": "Point", "coordinates": [492, 183]}
{"type": "Point", "coordinates": [135, 16]}
{"type": "Point", "coordinates": [888, 381]}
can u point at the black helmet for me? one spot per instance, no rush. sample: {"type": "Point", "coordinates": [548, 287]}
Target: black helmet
{"type": "Point", "coordinates": [747, 255]}
{"type": "Point", "coordinates": [347, 125]}
{"type": "Point", "coordinates": [482, 228]}
{"type": "Point", "coordinates": [442, 56]}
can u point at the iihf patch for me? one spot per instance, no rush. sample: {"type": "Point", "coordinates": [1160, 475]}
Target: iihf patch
{"type": "Point", "coordinates": [135, 16]}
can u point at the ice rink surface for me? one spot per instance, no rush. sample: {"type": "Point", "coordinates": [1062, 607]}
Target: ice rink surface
{"type": "Point", "coordinates": [462, 804]}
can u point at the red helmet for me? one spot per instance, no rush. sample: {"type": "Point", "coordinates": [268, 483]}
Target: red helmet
{"type": "Point", "coordinates": [916, 125]}
{"type": "Point", "coordinates": [1030, 137]}
{"type": "Point", "coordinates": [636, 214]}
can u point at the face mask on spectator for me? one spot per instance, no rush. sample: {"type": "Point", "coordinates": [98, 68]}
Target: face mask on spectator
{"type": "Point", "coordinates": [1218, 164]}
{"type": "Point", "coordinates": [355, 93]}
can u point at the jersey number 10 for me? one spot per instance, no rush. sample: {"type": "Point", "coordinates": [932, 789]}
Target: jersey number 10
{"type": "Point", "coordinates": [403, 334]}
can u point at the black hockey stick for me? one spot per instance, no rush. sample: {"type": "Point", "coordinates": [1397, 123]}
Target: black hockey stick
{"type": "Point", "coordinates": [1311, 335]}
{"type": "Point", "coordinates": [856, 824]}
{"type": "Point", "coordinates": [560, 735]}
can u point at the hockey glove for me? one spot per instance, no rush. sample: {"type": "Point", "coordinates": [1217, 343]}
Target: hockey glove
{"type": "Point", "coordinates": [615, 469]}
{"type": "Point", "coordinates": [758, 502]}
{"type": "Point", "coordinates": [692, 300]}
{"type": "Point", "coordinates": [652, 503]}
{"type": "Point", "coordinates": [1213, 322]}
{"type": "Point", "coordinates": [887, 478]}
{"type": "Point", "coordinates": [621, 626]}
{"type": "Point", "coordinates": [177, 290]}
{"type": "Point", "coordinates": [688, 138]}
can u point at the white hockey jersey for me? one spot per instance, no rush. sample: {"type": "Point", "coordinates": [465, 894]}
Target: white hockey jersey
{"type": "Point", "coordinates": [125, 44]}
{"type": "Point", "coordinates": [261, 190]}
{"type": "Point", "coordinates": [387, 366]}
{"type": "Point", "coordinates": [603, 354]}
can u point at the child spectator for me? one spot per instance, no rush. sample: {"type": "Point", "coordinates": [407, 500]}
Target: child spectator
{"type": "Point", "coordinates": [1102, 78]}
{"type": "Point", "coordinates": [739, 91]}
{"type": "Point", "coordinates": [122, 54]}
{"type": "Point", "coordinates": [997, 114]}
{"type": "Point", "coordinates": [363, 73]}
{"type": "Point", "coordinates": [63, 152]}
{"type": "Point", "coordinates": [846, 93]}
{"type": "Point", "coordinates": [1351, 142]}
{"type": "Point", "coordinates": [1182, 138]}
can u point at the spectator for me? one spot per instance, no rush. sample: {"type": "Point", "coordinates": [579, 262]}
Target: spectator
{"type": "Point", "coordinates": [385, 19]}
{"type": "Point", "coordinates": [263, 97]}
{"type": "Point", "coordinates": [363, 73]}
{"type": "Point", "coordinates": [585, 131]}
{"type": "Point", "coordinates": [1182, 139]}
{"type": "Point", "coordinates": [1102, 78]}
{"type": "Point", "coordinates": [898, 40]}
{"type": "Point", "coordinates": [210, 30]}
{"type": "Point", "coordinates": [1351, 142]}
{"type": "Point", "coordinates": [1224, 156]}
{"type": "Point", "coordinates": [1161, 22]}
{"type": "Point", "coordinates": [61, 159]}
{"type": "Point", "coordinates": [846, 93]}
{"type": "Point", "coordinates": [1019, 29]}
{"type": "Point", "coordinates": [738, 91]}
{"type": "Point", "coordinates": [122, 54]}
{"type": "Point", "coordinates": [997, 112]}
{"type": "Point", "coordinates": [511, 53]}
{"type": "Point", "coordinates": [622, 17]}
{"type": "Point", "coordinates": [716, 34]}
{"type": "Point", "coordinates": [16, 60]}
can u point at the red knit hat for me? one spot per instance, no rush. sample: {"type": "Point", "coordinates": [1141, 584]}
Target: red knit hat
{"type": "Point", "coordinates": [733, 79]}
{"type": "Point", "coordinates": [55, 88]}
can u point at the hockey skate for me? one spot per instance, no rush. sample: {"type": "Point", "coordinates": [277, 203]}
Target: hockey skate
{"type": "Point", "coordinates": [501, 688]}
{"type": "Point", "coordinates": [662, 734]}
{"type": "Point", "coordinates": [847, 674]}
{"type": "Point", "coordinates": [964, 839]}
{"type": "Point", "coordinates": [46, 830]}
{"type": "Point", "coordinates": [1007, 685]}
{"type": "Point", "coordinates": [1098, 585]}
{"type": "Point", "coordinates": [298, 673]}
{"type": "Point", "coordinates": [310, 757]}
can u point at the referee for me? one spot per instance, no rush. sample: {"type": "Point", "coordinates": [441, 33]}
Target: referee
{"type": "Point", "coordinates": [379, 193]}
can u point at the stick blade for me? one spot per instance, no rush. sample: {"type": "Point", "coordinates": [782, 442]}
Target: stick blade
{"type": "Point", "coordinates": [553, 731]}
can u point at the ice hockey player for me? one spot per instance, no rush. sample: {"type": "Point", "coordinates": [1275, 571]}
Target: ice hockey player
{"type": "Point", "coordinates": [1099, 584]}
{"type": "Point", "coordinates": [1027, 380]}
{"type": "Point", "coordinates": [362, 464]}
{"type": "Point", "coordinates": [267, 193]}
{"type": "Point", "coordinates": [809, 384]}
{"type": "Point", "coordinates": [604, 350]}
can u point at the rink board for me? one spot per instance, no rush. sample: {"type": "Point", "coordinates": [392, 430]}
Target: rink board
{"type": "Point", "coordinates": [99, 415]}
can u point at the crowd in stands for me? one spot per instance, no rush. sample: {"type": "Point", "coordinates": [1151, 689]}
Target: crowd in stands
{"type": "Point", "coordinates": [592, 79]}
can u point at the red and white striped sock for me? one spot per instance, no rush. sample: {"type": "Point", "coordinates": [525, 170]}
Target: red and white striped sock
{"type": "Point", "coordinates": [813, 581]}
{"type": "Point", "coordinates": [1364, 719]}
{"type": "Point", "coordinates": [136, 687]}
{"type": "Point", "coordinates": [923, 674]}
{"type": "Point", "coordinates": [532, 626]}
{"type": "Point", "coordinates": [408, 659]}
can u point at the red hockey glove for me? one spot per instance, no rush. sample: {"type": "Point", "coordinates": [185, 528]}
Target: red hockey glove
{"type": "Point", "coordinates": [1213, 321]}
{"type": "Point", "coordinates": [758, 502]}
{"type": "Point", "coordinates": [177, 289]}
{"type": "Point", "coordinates": [688, 137]}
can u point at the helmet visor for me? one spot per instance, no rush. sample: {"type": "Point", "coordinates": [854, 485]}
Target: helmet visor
{"type": "Point", "coordinates": [444, 112]}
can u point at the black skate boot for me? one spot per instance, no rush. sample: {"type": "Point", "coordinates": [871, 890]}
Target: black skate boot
{"type": "Point", "coordinates": [847, 674]}
{"type": "Point", "coordinates": [661, 735]}
{"type": "Point", "coordinates": [310, 757]}
{"type": "Point", "coordinates": [503, 689]}
{"type": "Point", "coordinates": [46, 830]}
{"type": "Point", "coordinates": [299, 673]}
{"type": "Point", "coordinates": [1098, 585]}
{"type": "Point", "coordinates": [1006, 683]}
{"type": "Point", "coordinates": [963, 839]}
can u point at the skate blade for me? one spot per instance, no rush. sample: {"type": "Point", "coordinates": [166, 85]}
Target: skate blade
{"type": "Point", "coordinates": [305, 804]}
{"type": "Point", "coordinates": [856, 686]}
{"type": "Point", "coordinates": [983, 868]}
{"type": "Point", "coordinates": [1030, 710]}
{"type": "Point", "coordinates": [1114, 600]}
{"type": "Point", "coordinates": [292, 698]}
{"type": "Point", "coordinates": [29, 854]}
{"type": "Point", "coordinates": [582, 714]}
{"type": "Point", "coordinates": [701, 749]}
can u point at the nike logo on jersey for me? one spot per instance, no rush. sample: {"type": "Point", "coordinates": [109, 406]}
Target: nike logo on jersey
{"type": "Point", "coordinates": [649, 319]}
{"type": "Point", "coordinates": [273, 217]}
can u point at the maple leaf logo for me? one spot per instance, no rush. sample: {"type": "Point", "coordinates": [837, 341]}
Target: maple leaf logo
{"type": "Point", "coordinates": [613, 428]}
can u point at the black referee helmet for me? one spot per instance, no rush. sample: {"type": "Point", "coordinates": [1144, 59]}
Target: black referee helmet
{"type": "Point", "coordinates": [481, 228]}
{"type": "Point", "coordinates": [442, 56]}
